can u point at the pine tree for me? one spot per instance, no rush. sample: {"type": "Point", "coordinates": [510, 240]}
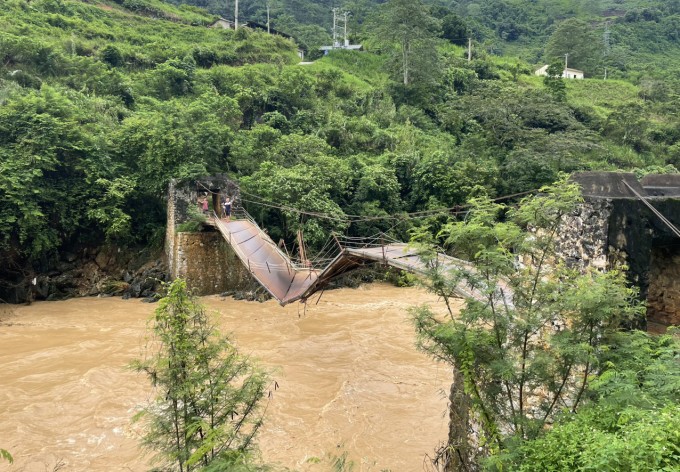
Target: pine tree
{"type": "Point", "coordinates": [208, 407]}
{"type": "Point", "coordinates": [408, 33]}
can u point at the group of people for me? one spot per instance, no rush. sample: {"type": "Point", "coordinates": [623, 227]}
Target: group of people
{"type": "Point", "coordinates": [226, 206]}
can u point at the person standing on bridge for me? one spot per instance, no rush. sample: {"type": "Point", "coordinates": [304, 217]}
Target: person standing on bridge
{"type": "Point", "coordinates": [227, 208]}
{"type": "Point", "coordinates": [203, 204]}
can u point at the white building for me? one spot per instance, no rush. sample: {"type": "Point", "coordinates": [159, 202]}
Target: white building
{"type": "Point", "coordinates": [339, 45]}
{"type": "Point", "coordinates": [567, 73]}
{"type": "Point", "coordinates": [222, 23]}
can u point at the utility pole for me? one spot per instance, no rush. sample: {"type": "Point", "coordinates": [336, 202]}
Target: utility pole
{"type": "Point", "coordinates": [335, 27]}
{"type": "Point", "coordinates": [605, 73]}
{"type": "Point", "coordinates": [346, 13]}
{"type": "Point", "coordinates": [469, 49]}
{"type": "Point", "coordinates": [607, 35]}
{"type": "Point", "coordinates": [235, 14]}
{"type": "Point", "coordinates": [566, 59]}
{"type": "Point", "coordinates": [268, 32]}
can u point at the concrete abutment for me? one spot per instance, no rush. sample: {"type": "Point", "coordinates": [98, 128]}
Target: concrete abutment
{"type": "Point", "coordinates": [202, 257]}
{"type": "Point", "coordinates": [613, 227]}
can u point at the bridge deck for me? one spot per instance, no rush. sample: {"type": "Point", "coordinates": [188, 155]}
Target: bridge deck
{"type": "Point", "coordinates": [288, 282]}
{"type": "Point", "coordinates": [271, 268]}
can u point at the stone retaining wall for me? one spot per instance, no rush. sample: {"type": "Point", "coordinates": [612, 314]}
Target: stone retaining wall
{"type": "Point", "coordinates": [610, 229]}
{"type": "Point", "coordinates": [208, 264]}
{"type": "Point", "coordinates": [584, 236]}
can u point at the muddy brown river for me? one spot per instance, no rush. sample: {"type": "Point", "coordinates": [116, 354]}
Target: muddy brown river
{"type": "Point", "coordinates": [350, 378]}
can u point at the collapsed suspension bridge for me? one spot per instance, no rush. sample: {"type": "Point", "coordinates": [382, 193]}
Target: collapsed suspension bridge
{"type": "Point", "coordinates": [288, 281]}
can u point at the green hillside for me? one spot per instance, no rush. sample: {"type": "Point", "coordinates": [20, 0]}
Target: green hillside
{"type": "Point", "coordinates": [104, 102]}
{"type": "Point", "coordinates": [627, 37]}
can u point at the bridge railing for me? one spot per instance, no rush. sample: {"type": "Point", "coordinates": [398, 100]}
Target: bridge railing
{"type": "Point", "coordinates": [240, 213]}
{"type": "Point", "coordinates": [375, 240]}
{"type": "Point", "coordinates": [394, 253]}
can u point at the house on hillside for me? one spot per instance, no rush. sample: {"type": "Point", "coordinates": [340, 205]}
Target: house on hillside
{"type": "Point", "coordinates": [222, 23]}
{"type": "Point", "coordinates": [567, 73]}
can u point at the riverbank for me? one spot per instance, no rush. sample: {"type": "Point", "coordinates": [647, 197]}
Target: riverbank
{"type": "Point", "coordinates": [88, 271]}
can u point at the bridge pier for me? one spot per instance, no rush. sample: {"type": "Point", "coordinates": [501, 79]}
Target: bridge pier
{"type": "Point", "coordinates": [208, 264]}
{"type": "Point", "coordinates": [613, 226]}
{"type": "Point", "coordinates": [201, 257]}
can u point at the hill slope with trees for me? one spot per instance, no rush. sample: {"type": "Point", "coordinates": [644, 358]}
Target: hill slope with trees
{"type": "Point", "coordinates": [630, 38]}
{"type": "Point", "coordinates": [104, 102]}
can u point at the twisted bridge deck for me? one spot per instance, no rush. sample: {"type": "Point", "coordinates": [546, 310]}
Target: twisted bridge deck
{"type": "Point", "coordinates": [287, 281]}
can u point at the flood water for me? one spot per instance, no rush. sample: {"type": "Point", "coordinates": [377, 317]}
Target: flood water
{"type": "Point", "coordinates": [350, 378]}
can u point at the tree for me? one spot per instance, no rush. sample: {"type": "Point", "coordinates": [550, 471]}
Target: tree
{"type": "Point", "coordinates": [628, 125]}
{"type": "Point", "coordinates": [173, 78]}
{"type": "Point", "coordinates": [179, 139]}
{"type": "Point", "coordinates": [632, 423]}
{"type": "Point", "coordinates": [112, 56]}
{"type": "Point", "coordinates": [408, 34]}
{"type": "Point", "coordinates": [208, 407]}
{"type": "Point", "coordinates": [452, 177]}
{"type": "Point", "coordinates": [455, 29]}
{"type": "Point", "coordinates": [554, 81]}
{"type": "Point", "coordinates": [310, 36]}
{"type": "Point", "coordinates": [312, 186]}
{"type": "Point", "coordinates": [576, 38]}
{"type": "Point", "coordinates": [48, 154]}
{"type": "Point", "coordinates": [528, 345]}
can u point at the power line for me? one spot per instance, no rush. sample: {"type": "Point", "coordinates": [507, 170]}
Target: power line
{"type": "Point", "coordinates": [349, 218]}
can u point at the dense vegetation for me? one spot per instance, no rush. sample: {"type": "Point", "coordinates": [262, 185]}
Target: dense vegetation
{"type": "Point", "coordinates": [546, 379]}
{"type": "Point", "coordinates": [103, 103]}
{"type": "Point", "coordinates": [632, 38]}
{"type": "Point", "coordinates": [630, 421]}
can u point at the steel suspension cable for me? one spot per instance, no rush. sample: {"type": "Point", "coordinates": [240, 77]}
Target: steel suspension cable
{"type": "Point", "coordinates": [456, 210]}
